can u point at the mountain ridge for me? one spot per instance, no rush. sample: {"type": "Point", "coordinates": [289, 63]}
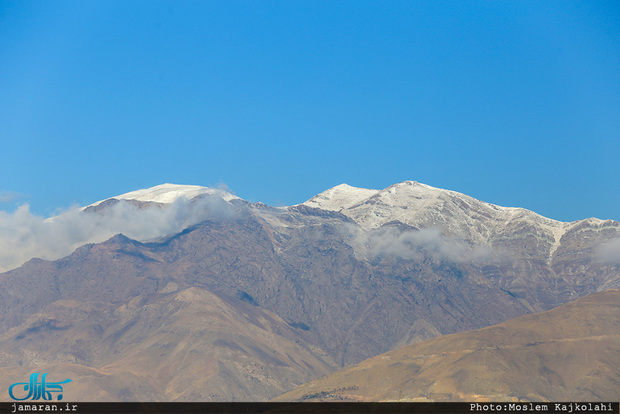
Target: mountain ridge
{"type": "Point", "coordinates": [416, 204]}
{"type": "Point", "coordinates": [341, 291]}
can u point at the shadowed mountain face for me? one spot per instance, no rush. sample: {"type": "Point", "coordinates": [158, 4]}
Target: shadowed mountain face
{"type": "Point", "coordinates": [570, 353]}
{"type": "Point", "coordinates": [273, 297]}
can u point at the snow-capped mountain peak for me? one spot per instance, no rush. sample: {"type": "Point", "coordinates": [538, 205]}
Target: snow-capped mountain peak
{"type": "Point", "coordinates": [340, 197]}
{"type": "Point", "coordinates": [169, 193]}
{"type": "Point", "coordinates": [423, 206]}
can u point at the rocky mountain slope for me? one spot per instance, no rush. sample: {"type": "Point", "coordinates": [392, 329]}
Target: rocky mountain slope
{"type": "Point", "coordinates": [550, 252]}
{"type": "Point", "coordinates": [348, 275]}
{"type": "Point", "coordinates": [570, 353]}
{"type": "Point", "coordinates": [182, 345]}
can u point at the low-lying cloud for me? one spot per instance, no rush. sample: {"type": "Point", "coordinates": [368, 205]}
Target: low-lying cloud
{"type": "Point", "coordinates": [609, 252]}
{"type": "Point", "coordinates": [24, 235]}
{"type": "Point", "coordinates": [415, 244]}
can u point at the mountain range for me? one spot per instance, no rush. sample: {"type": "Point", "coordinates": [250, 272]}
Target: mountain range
{"type": "Point", "coordinates": [244, 301]}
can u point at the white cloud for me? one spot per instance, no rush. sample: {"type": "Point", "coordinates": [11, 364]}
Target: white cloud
{"type": "Point", "coordinates": [24, 235]}
{"type": "Point", "coordinates": [414, 244]}
{"type": "Point", "coordinates": [609, 252]}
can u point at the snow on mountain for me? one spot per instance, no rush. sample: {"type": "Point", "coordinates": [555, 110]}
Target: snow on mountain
{"type": "Point", "coordinates": [168, 193]}
{"type": "Point", "coordinates": [464, 218]}
{"type": "Point", "coordinates": [405, 202]}
{"type": "Point", "coordinates": [340, 197]}
{"type": "Point", "coordinates": [24, 235]}
{"type": "Point", "coordinates": [422, 206]}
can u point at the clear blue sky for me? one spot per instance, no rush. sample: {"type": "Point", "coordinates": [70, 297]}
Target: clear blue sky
{"type": "Point", "coordinates": [512, 102]}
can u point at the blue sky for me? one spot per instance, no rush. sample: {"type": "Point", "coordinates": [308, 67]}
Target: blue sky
{"type": "Point", "coordinates": [512, 102]}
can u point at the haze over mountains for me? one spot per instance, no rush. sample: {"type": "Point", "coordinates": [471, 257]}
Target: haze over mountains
{"type": "Point", "coordinates": [206, 296]}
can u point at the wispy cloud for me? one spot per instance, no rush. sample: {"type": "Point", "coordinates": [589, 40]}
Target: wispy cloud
{"type": "Point", "coordinates": [11, 196]}
{"type": "Point", "coordinates": [415, 244]}
{"type": "Point", "coordinates": [24, 235]}
{"type": "Point", "coordinates": [609, 252]}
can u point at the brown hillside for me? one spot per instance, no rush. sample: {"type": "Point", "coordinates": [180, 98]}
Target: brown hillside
{"type": "Point", "coordinates": [188, 345]}
{"type": "Point", "coordinates": [569, 353]}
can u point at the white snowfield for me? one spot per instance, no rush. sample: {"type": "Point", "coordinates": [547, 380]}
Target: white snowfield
{"type": "Point", "coordinates": [340, 197]}
{"type": "Point", "coordinates": [169, 193]}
